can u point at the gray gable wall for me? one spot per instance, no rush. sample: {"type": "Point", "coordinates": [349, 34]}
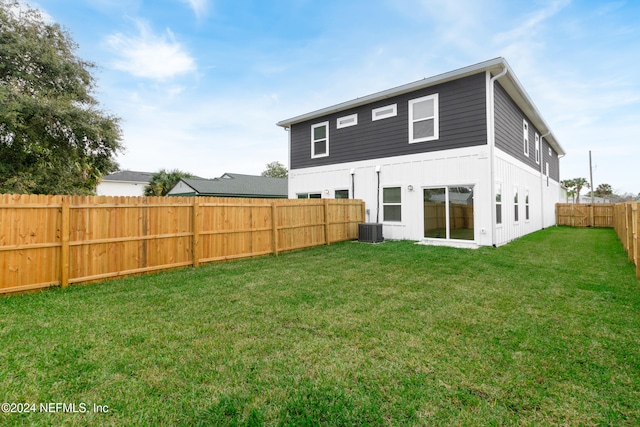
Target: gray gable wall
{"type": "Point", "coordinates": [509, 136]}
{"type": "Point", "coordinates": [462, 107]}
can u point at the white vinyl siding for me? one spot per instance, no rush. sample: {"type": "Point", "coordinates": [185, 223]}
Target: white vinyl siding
{"type": "Point", "coordinates": [384, 112]}
{"type": "Point", "coordinates": [516, 206]}
{"type": "Point", "coordinates": [320, 140]}
{"type": "Point", "coordinates": [423, 119]}
{"type": "Point", "coordinates": [498, 203]}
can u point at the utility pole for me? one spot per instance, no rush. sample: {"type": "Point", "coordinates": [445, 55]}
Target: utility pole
{"type": "Point", "coordinates": [591, 176]}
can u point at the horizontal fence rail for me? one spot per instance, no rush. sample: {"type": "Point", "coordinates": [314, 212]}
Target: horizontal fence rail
{"type": "Point", "coordinates": [58, 240]}
{"type": "Point", "coordinates": [623, 217]}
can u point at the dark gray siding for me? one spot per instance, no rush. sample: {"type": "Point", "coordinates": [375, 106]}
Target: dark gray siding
{"type": "Point", "coordinates": [462, 107]}
{"type": "Point", "coordinates": [509, 137]}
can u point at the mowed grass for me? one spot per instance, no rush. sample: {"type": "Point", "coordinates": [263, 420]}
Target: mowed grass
{"type": "Point", "coordinates": [542, 331]}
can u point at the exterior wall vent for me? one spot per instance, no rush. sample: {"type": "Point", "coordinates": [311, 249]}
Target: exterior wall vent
{"type": "Point", "coordinates": [370, 232]}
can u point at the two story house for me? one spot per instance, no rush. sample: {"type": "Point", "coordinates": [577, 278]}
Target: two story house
{"type": "Point", "coordinates": [461, 159]}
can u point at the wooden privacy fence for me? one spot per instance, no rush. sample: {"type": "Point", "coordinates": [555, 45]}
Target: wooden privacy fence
{"type": "Point", "coordinates": [585, 215]}
{"type": "Point", "coordinates": [57, 240]}
{"type": "Point", "coordinates": [627, 226]}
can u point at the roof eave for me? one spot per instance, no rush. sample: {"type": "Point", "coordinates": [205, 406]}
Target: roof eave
{"type": "Point", "coordinates": [491, 65]}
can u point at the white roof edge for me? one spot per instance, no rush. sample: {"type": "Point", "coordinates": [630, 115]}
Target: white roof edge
{"type": "Point", "coordinates": [512, 85]}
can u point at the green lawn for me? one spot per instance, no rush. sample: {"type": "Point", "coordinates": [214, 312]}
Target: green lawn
{"type": "Point", "coordinates": [543, 331]}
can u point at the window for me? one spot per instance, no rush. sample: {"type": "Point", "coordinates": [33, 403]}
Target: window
{"type": "Point", "coordinates": [537, 148]}
{"type": "Point", "coordinates": [309, 196]}
{"type": "Point", "coordinates": [384, 112]}
{"type": "Point", "coordinates": [525, 137]}
{"type": "Point", "coordinates": [392, 204]}
{"type": "Point", "coordinates": [498, 203]}
{"type": "Point", "coordinates": [347, 121]}
{"type": "Point", "coordinates": [342, 194]}
{"type": "Point", "coordinates": [526, 205]}
{"type": "Point", "coordinates": [516, 206]}
{"type": "Point", "coordinates": [550, 152]}
{"type": "Point", "coordinates": [320, 140]}
{"type": "Point", "coordinates": [449, 213]}
{"type": "Point", "coordinates": [546, 171]}
{"type": "Point", "coordinates": [423, 119]}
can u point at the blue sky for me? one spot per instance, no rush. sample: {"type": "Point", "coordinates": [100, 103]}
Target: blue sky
{"type": "Point", "coordinates": [200, 84]}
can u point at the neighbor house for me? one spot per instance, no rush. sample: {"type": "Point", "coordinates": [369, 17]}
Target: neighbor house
{"type": "Point", "coordinates": [463, 158]}
{"type": "Point", "coordinates": [232, 185]}
{"type": "Point", "coordinates": [124, 183]}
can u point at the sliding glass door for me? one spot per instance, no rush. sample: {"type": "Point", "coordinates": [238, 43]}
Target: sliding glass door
{"type": "Point", "coordinates": [448, 213]}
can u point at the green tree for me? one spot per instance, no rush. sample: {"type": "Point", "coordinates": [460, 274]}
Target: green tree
{"type": "Point", "coordinates": [579, 184]}
{"type": "Point", "coordinates": [163, 181]}
{"type": "Point", "coordinates": [54, 139]}
{"type": "Point", "coordinates": [604, 191]}
{"type": "Point", "coordinates": [569, 184]}
{"type": "Point", "coordinates": [275, 170]}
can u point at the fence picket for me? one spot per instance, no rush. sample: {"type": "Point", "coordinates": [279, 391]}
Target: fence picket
{"type": "Point", "coordinates": [73, 239]}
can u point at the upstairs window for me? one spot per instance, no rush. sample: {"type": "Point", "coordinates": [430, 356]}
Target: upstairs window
{"type": "Point", "coordinates": [320, 140]}
{"type": "Point", "coordinates": [384, 112]}
{"type": "Point", "coordinates": [537, 139]}
{"type": "Point", "coordinates": [525, 137]}
{"type": "Point", "coordinates": [423, 119]}
{"type": "Point", "coordinates": [347, 121]}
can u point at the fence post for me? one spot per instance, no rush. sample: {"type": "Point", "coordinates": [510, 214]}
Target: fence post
{"type": "Point", "coordinates": [64, 237]}
{"type": "Point", "coordinates": [274, 228]}
{"type": "Point", "coordinates": [196, 233]}
{"type": "Point", "coordinates": [591, 222]}
{"type": "Point", "coordinates": [326, 222]}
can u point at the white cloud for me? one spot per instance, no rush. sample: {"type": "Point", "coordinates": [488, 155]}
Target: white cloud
{"type": "Point", "coordinates": [147, 55]}
{"type": "Point", "coordinates": [200, 7]}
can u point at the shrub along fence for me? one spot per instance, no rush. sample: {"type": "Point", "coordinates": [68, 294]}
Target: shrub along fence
{"type": "Point", "coordinates": [623, 217]}
{"type": "Point", "coordinates": [57, 240]}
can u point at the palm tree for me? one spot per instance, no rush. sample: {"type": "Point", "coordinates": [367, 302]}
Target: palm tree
{"type": "Point", "coordinates": [603, 191]}
{"type": "Point", "coordinates": [163, 181]}
{"type": "Point", "coordinates": [579, 183]}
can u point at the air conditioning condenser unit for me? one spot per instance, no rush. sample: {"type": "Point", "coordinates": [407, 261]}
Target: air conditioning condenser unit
{"type": "Point", "coordinates": [370, 232]}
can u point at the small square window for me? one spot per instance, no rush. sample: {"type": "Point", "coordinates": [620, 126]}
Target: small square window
{"type": "Point", "coordinates": [384, 112]}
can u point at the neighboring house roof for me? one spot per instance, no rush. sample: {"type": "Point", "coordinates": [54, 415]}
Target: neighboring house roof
{"type": "Point", "coordinates": [509, 82]}
{"type": "Point", "coordinates": [233, 184]}
{"type": "Point", "coordinates": [128, 176]}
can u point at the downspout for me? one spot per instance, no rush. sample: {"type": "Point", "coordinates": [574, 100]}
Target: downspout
{"type": "Point", "coordinates": [491, 134]}
{"type": "Point", "coordinates": [542, 181]}
{"type": "Point", "coordinates": [288, 130]}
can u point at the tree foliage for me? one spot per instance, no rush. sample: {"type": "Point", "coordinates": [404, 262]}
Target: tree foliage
{"type": "Point", "coordinates": [574, 186]}
{"type": "Point", "coordinates": [275, 170]}
{"type": "Point", "coordinates": [53, 137]}
{"type": "Point", "coordinates": [163, 181]}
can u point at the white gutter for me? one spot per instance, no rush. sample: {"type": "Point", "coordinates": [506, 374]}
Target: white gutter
{"type": "Point", "coordinates": [491, 136]}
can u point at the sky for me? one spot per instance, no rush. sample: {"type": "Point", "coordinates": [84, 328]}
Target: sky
{"type": "Point", "coordinates": [199, 85]}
